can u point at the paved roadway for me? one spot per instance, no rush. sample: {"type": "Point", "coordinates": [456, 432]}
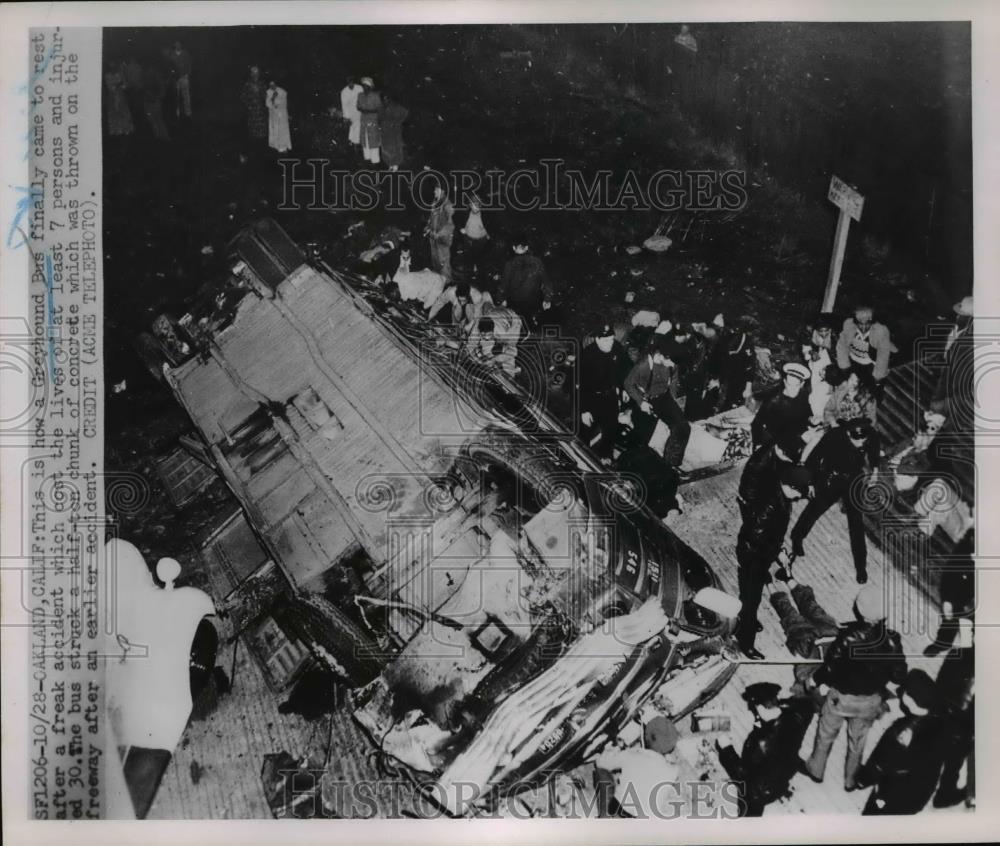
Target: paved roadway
{"type": "Point", "coordinates": [216, 772]}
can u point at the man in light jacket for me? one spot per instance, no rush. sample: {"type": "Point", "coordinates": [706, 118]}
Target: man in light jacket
{"type": "Point", "coordinates": [864, 346]}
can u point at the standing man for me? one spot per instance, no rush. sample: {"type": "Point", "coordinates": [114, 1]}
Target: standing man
{"type": "Point", "coordinates": [370, 107]}
{"type": "Point", "coordinates": [818, 347]}
{"type": "Point", "coordinates": [769, 759]}
{"type": "Point", "coordinates": [154, 87]}
{"type": "Point", "coordinates": [349, 109]}
{"type": "Point", "coordinates": [650, 384]}
{"type": "Point", "coordinates": [392, 118]}
{"type": "Point", "coordinates": [477, 239]}
{"type": "Point", "coordinates": [734, 367]}
{"type": "Point", "coordinates": [954, 396]}
{"type": "Point", "coordinates": [906, 763]}
{"type": "Point", "coordinates": [279, 136]}
{"type": "Point", "coordinates": [844, 457]}
{"type": "Point", "coordinates": [956, 683]}
{"type": "Point", "coordinates": [864, 346]}
{"type": "Point", "coordinates": [766, 510]}
{"type": "Point", "coordinates": [440, 232]}
{"type": "Point", "coordinates": [787, 414]}
{"type": "Point", "coordinates": [524, 284]}
{"type": "Point", "coordinates": [252, 96]}
{"type": "Point", "coordinates": [180, 61]}
{"type": "Point", "coordinates": [763, 466]}
{"type": "Point", "coordinates": [601, 366]}
{"type": "Point", "coordinates": [866, 656]}
{"type": "Point", "coordinates": [689, 355]}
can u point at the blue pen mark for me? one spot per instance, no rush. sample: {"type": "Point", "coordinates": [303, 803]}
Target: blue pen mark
{"type": "Point", "coordinates": [22, 207]}
{"type": "Point", "coordinates": [51, 314]}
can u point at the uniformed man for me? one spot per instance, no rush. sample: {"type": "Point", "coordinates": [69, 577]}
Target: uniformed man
{"type": "Point", "coordinates": [906, 763]}
{"type": "Point", "coordinates": [766, 511]}
{"type": "Point", "coordinates": [600, 372]}
{"type": "Point", "coordinates": [956, 683]}
{"type": "Point", "coordinates": [769, 759]}
{"type": "Point", "coordinates": [764, 464]}
{"type": "Point", "coordinates": [844, 456]}
{"type": "Point", "coordinates": [786, 414]}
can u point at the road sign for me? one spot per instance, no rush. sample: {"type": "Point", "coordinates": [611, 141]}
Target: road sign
{"type": "Point", "coordinates": [850, 203]}
{"type": "Point", "coordinates": [846, 198]}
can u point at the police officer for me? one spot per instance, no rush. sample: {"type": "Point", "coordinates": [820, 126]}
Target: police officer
{"type": "Point", "coordinates": [602, 366]}
{"type": "Point", "coordinates": [769, 759]}
{"type": "Point", "coordinates": [766, 511]}
{"type": "Point", "coordinates": [787, 413]}
{"type": "Point", "coordinates": [838, 463]}
{"type": "Point", "coordinates": [956, 683]}
{"type": "Point", "coordinates": [906, 763]}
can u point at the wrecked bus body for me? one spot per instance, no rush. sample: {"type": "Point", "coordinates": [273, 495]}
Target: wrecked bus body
{"type": "Point", "coordinates": [500, 601]}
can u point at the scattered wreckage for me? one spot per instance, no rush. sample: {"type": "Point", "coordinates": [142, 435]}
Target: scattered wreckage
{"type": "Point", "coordinates": [501, 602]}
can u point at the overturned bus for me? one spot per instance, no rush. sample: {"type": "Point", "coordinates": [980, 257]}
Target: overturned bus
{"type": "Point", "coordinates": [501, 603]}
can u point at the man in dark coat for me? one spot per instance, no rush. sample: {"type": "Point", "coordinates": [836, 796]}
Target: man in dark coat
{"type": "Point", "coordinates": [906, 763]}
{"type": "Point", "coordinates": [839, 463]}
{"type": "Point", "coordinates": [370, 108]}
{"type": "Point", "coordinates": [956, 682]}
{"type": "Point", "coordinates": [766, 510]}
{"type": "Point", "coordinates": [651, 384]}
{"type": "Point", "coordinates": [600, 372]}
{"type": "Point", "coordinates": [866, 657]}
{"type": "Point", "coordinates": [769, 759]}
{"type": "Point", "coordinates": [733, 365]}
{"type": "Point", "coordinates": [957, 593]}
{"type": "Point", "coordinates": [391, 120]}
{"type": "Point", "coordinates": [688, 353]}
{"type": "Point", "coordinates": [440, 232]}
{"type": "Point", "coordinates": [786, 413]}
{"type": "Point", "coordinates": [763, 466]}
{"type": "Point", "coordinates": [953, 450]}
{"type": "Point", "coordinates": [524, 284]}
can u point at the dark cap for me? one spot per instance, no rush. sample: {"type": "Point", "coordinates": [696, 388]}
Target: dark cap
{"type": "Point", "coordinates": [858, 428]}
{"type": "Point", "coordinates": [604, 330]}
{"type": "Point", "coordinates": [762, 693]}
{"type": "Point", "coordinates": [791, 445]}
{"type": "Point", "coordinates": [922, 689]}
{"type": "Point", "coordinates": [796, 476]}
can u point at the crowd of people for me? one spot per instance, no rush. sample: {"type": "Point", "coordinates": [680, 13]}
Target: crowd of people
{"type": "Point", "coordinates": [638, 390]}
{"type": "Point", "coordinates": [814, 438]}
{"type": "Point", "coordinates": [136, 93]}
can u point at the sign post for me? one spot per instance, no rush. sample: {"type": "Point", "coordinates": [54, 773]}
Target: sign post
{"type": "Point", "coordinates": [850, 203]}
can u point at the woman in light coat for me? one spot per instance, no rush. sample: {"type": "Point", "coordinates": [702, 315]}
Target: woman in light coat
{"type": "Point", "coordinates": [278, 134]}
